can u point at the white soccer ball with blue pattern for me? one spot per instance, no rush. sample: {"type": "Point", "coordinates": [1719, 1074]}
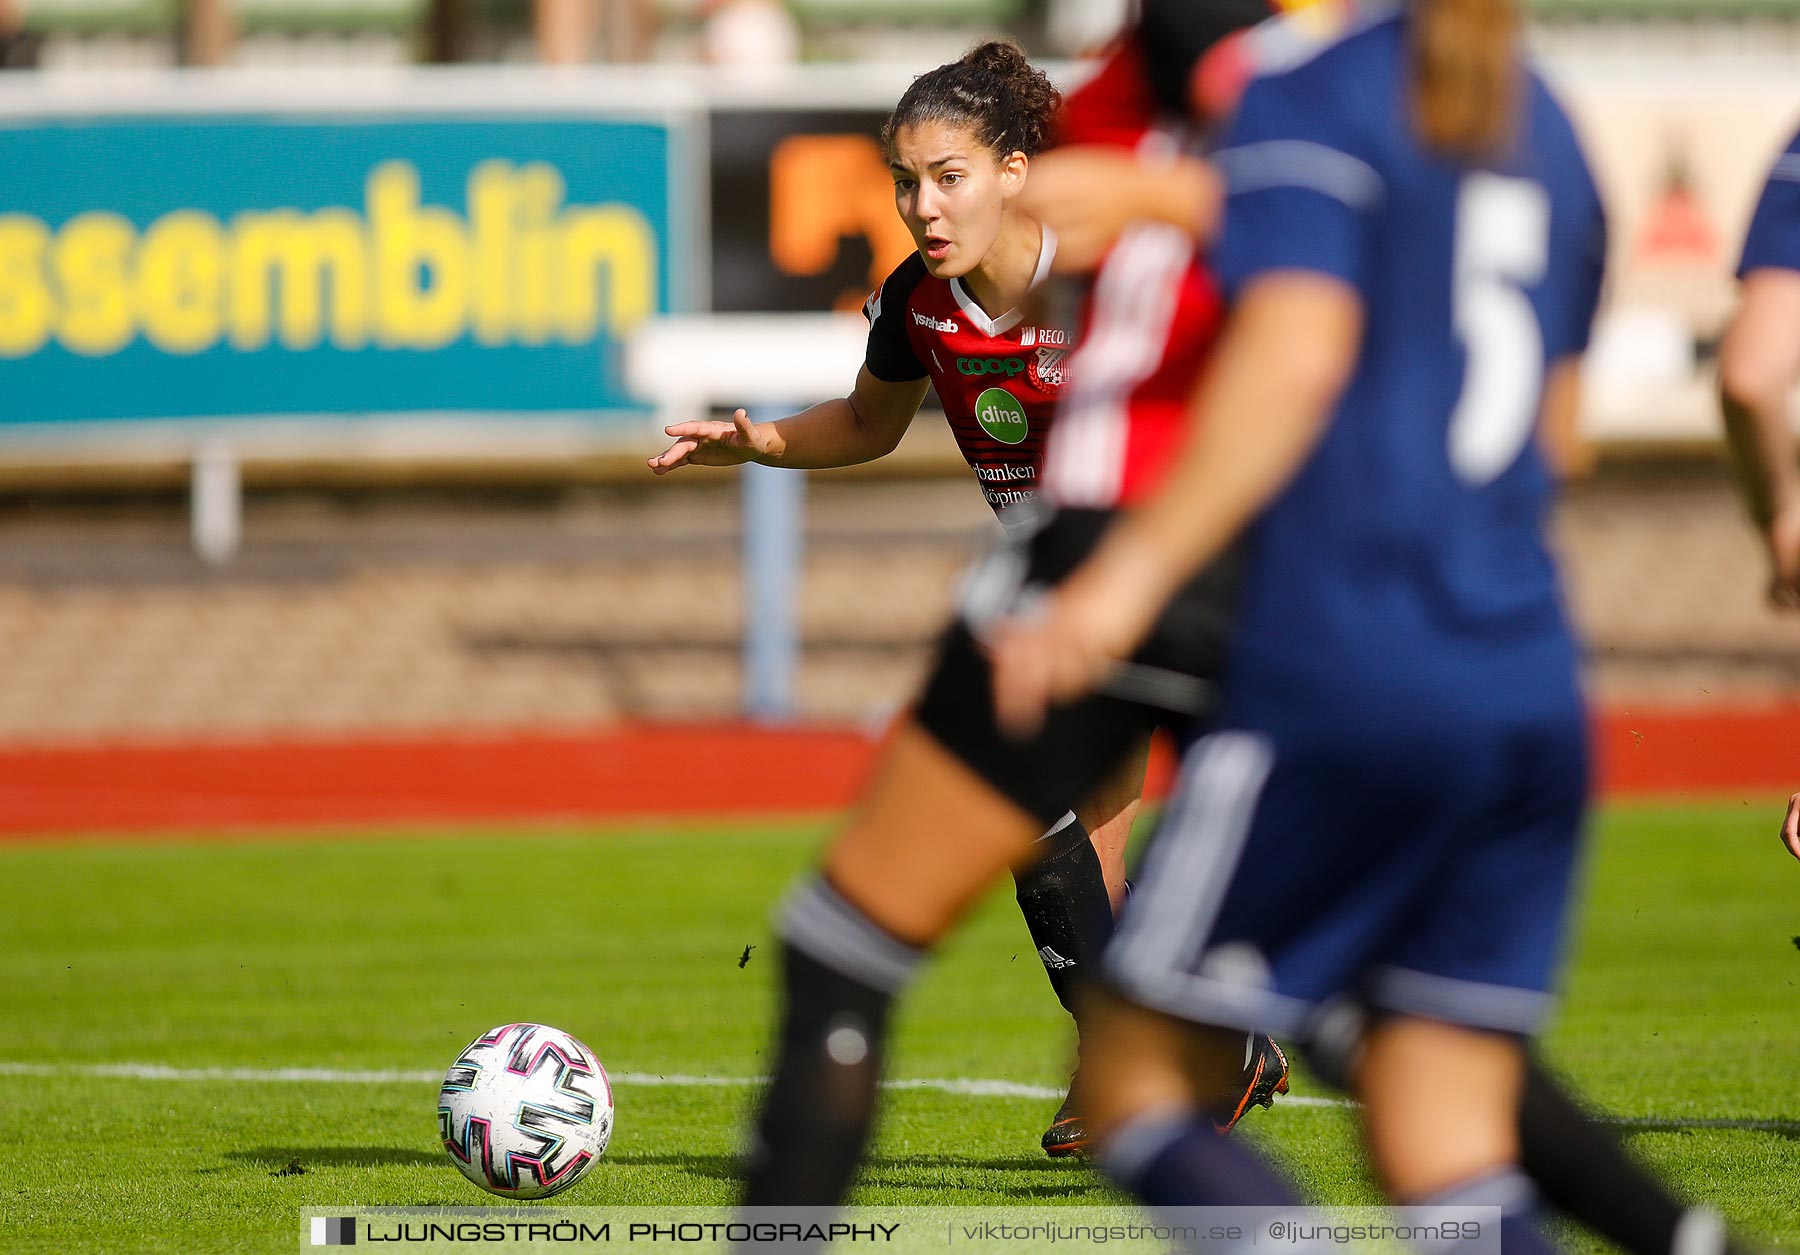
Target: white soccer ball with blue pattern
{"type": "Point", "coordinates": [526, 1111]}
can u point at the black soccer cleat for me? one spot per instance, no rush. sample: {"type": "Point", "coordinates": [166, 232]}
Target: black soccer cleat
{"type": "Point", "coordinates": [1263, 1077]}
{"type": "Point", "coordinates": [1067, 1134]}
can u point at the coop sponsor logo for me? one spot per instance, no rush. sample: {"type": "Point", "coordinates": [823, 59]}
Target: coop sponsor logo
{"type": "Point", "coordinates": [1008, 366]}
{"type": "Point", "coordinates": [514, 266]}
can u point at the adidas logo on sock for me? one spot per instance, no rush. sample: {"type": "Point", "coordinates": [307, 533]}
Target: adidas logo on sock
{"type": "Point", "coordinates": [1052, 960]}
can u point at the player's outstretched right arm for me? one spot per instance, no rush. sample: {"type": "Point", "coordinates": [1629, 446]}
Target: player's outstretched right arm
{"type": "Point", "coordinates": [708, 442]}
{"type": "Point", "coordinates": [846, 431]}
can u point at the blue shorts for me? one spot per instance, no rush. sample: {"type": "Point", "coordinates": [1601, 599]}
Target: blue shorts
{"type": "Point", "coordinates": [1417, 871]}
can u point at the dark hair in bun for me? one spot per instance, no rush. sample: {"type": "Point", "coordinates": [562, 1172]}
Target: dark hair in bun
{"type": "Point", "coordinates": [994, 90]}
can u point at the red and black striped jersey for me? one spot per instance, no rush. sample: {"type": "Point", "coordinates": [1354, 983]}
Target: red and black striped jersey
{"type": "Point", "coordinates": [1114, 105]}
{"type": "Point", "coordinates": [998, 380]}
{"type": "Point", "coordinates": [1150, 321]}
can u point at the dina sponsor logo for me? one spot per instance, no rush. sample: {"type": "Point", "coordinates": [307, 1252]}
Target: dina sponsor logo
{"type": "Point", "coordinates": [1001, 416]}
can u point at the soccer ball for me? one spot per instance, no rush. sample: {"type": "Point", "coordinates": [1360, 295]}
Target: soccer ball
{"type": "Point", "coordinates": [526, 1111]}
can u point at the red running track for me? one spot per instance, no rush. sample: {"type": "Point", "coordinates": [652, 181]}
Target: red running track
{"type": "Point", "coordinates": [644, 772]}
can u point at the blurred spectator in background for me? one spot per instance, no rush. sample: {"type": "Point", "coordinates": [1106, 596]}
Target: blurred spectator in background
{"type": "Point", "coordinates": [207, 31]}
{"type": "Point", "coordinates": [1079, 27]}
{"type": "Point", "coordinates": [750, 35]}
{"type": "Point", "coordinates": [574, 32]}
{"type": "Point", "coordinates": [18, 46]}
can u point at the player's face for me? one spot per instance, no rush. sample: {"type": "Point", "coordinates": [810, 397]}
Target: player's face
{"type": "Point", "coordinates": [952, 192]}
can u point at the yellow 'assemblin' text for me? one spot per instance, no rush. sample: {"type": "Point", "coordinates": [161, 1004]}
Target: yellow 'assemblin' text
{"type": "Point", "coordinates": [519, 268]}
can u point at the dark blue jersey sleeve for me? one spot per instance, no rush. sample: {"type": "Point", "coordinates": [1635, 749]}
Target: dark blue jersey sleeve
{"type": "Point", "coordinates": [1299, 194]}
{"type": "Point", "coordinates": [1570, 322]}
{"type": "Point", "coordinates": [890, 355]}
{"type": "Point", "coordinates": [1773, 240]}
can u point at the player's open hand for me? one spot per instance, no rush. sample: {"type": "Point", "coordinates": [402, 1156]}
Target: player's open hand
{"type": "Point", "coordinates": [1790, 826]}
{"type": "Point", "coordinates": [1079, 193]}
{"type": "Point", "coordinates": [1089, 194]}
{"type": "Point", "coordinates": [709, 442]}
{"type": "Point", "coordinates": [1057, 649]}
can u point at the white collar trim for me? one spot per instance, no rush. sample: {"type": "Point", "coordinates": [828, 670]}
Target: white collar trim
{"type": "Point", "coordinates": [1012, 317]}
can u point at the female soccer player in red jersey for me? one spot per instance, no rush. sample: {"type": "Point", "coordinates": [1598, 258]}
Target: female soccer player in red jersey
{"type": "Point", "coordinates": [953, 804]}
{"type": "Point", "coordinates": [951, 316]}
{"type": "Point", "coordinates": [960, 146]}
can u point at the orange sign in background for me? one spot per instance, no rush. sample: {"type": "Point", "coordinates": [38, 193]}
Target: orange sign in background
{"type": "Point", "coordinates": [802, 210]}
{"type": "Point", "coordinates": [824, 190]}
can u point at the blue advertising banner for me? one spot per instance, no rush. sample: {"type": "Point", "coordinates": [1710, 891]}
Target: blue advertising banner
{"type": "Point", "coordinates": [164, 267]}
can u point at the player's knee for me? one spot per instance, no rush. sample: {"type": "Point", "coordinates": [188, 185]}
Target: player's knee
{"type": "Point", "coordinates": [1754, 368]}
{"type": "Point", "coordinates": [1441, 1102]}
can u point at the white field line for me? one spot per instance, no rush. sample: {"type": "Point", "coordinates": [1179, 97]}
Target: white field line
{"type": "Point", "coordinates": [969, 1087]}
{"type": "Point", "coordinates": [973, 1088]}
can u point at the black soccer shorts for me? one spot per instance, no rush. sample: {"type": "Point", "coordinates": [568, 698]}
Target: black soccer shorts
{"type": "Point", "coordinates": [1171, 681]}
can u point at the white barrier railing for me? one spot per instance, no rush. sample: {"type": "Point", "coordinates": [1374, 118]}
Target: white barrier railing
{"type": "Point", "coordinates": [771, 365]}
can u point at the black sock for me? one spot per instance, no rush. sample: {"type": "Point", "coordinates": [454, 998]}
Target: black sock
{"type": "Point", "coordinates": [1585, 1174]}
{"type": "Point", "coordinates": [1066, 907]}
{"type": "Point", "coordinates": [840, 974]}
{"type": "Point", "coordinates": [1179, 1160]}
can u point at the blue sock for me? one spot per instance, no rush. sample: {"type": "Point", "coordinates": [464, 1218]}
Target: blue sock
{"type": "Point", "coordinates": [1179, 1160]}
{"type": "Point", "coordinates": [1509, 1189]}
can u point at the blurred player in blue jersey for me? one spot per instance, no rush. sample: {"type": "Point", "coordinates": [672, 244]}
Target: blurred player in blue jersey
{"type": "Point", "coordinates": [1759, 365]}
{"type": "Point", "coordinates": [1414, 247]}
{"type": "Point", "coordinates": [1088, 196]}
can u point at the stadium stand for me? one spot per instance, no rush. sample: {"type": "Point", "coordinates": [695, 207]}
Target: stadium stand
{"type": "Point", "coordinates": [355, 615]}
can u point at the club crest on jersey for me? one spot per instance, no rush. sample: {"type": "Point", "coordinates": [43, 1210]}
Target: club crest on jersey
{"type": "Point", "coordinates": [1001, 416]}
{"type": "Point", "coordinates": [1047, 367]}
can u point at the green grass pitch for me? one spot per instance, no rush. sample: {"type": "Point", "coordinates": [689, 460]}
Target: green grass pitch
{"type": "Point", "coordinates": [390, 951]}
